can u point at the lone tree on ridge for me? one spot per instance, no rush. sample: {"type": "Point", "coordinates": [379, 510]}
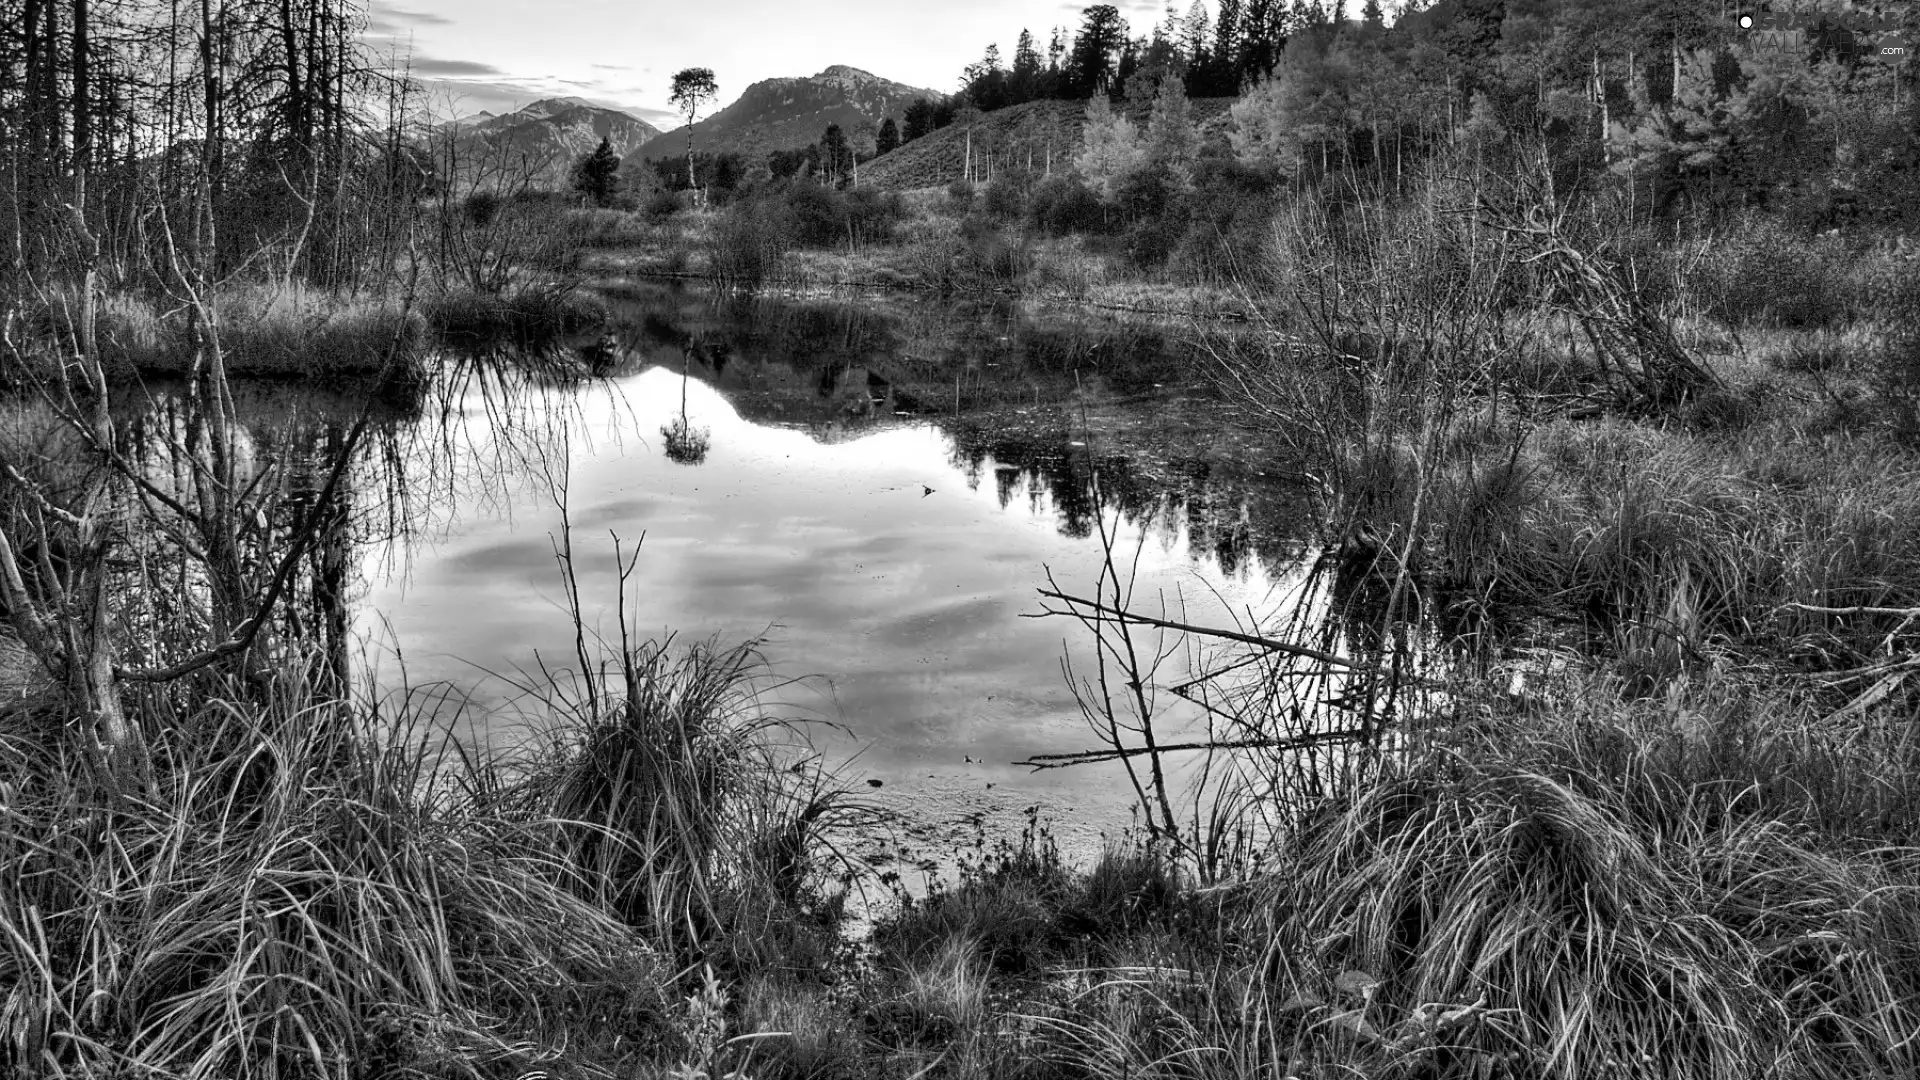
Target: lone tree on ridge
{"type": "Point", "coordinates": [692, 88]}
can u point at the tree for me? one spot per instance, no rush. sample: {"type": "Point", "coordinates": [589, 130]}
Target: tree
{"type": "Point", "coordinates": [692, 88]}
{"type": "Point", "coordinates": [836, 154]}
{"type": "Point", "coordinates": [1103, 33]}
{"type": "Point", "coordinates": [1308, 101]}
{"type": "Point", "coordinates": [986, 81]}
{"type": "Point", "coordinates": [597, 176]}
{"type": "Point", "coordinates": [889, 138]}
{"type": "Point", "coordinates": [1262, 36]}
{"type": "Point", "coordinates": [1172, 141]}
{"type": "Point", "coordinates": [1110, 149]}
{"type": "Point", "coordinates": [1224, 76]}
{"type": "Point", "coordinates": [1024, 85]}
{"type": "Point", "coordinates": [919, 120]}
{"type": "Point", "coordinates": [1196, 32]}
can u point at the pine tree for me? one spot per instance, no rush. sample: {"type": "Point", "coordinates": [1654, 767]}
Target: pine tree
{"type": "Point", "coordinates": [1103, 35]}
{"type": "Point", "coordinates": [1196, 34]}
{"type": "Point", "coordinates": [889, 138]}
{"type": "Point", "coordinates": [1024, 85]}
{"type": "Point", "coordinates": [597, 176]}
{"type": "Point", "coordinates": [919, 120]}
{"type": "Point", "coordinates": [1226, 74]}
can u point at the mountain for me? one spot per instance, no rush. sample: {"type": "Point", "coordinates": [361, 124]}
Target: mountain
{"type": "Point", "coordinates": [544, 138]}
{"type": "Point", "coordinates": [785, 114]}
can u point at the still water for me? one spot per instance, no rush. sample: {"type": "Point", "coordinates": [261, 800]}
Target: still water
{"type": "Point", "coordinates": [887, 557]}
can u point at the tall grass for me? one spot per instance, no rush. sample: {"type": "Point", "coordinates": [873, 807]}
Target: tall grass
{"type": "Point", "coordinates": [309, 888]}
{"type": "Point", "coordinates": [271, 331]}
{"type": "Point", "coordinates": [1634, 890]}
{"type": "Point", "coordinates": [299, 893]}
{"type": "Point", "coordinates": [690, 810]}
{"type": "Point", "coordinates": [531, 316]}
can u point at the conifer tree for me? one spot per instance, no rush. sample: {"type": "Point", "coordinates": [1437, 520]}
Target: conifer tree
{"type": "Point", "coordinates": [597, 176]}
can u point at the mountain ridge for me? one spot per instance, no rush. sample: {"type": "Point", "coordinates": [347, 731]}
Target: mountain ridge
{"type": "Point", "coordinates": [541, 141]}
{"type": "Point", "coordinates": [789, 112]}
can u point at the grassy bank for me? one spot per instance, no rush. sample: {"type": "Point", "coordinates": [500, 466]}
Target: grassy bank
{"type": "Point", "coordinates": [954, 242]}
{"type": "Point", "coordinates": [1565, 883]}
{"type": "Point", "coordinates": [261, 331]}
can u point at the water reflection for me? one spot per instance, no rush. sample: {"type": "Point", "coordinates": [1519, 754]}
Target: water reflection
{"type": "Point", "coordinates": [871, 561]}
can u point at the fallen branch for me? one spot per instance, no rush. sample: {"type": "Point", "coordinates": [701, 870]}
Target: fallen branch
{"type": "Point", "coordinates": [1894, 612]}
{"type": "Point", "coordinates": [1188, 628]}
{"type": "Point", "coordinates": [1087, 757]}
{"type": "Point", "coordinates": [1270, 644]}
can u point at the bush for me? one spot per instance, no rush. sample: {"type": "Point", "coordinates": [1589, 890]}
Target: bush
{"type": "Point", "coordinates": [821, 217]}
{"type": "Point", "coordinates": [1006, 196]}
{"type": "Point", "coordinates": [481, 206]}
{"type": "Point", "coordinates": [1062, 205]}
{"type": "Point", "coordinates": [748, 242]}
{"type": "Point", "coordinates": [1764, 275]}
{"type": "Point", "coordinates": [982, 257]}
{"type": "Point", "coordinates": [663, 204]}
{"type": "Point", "coordinates": [1231, 223]}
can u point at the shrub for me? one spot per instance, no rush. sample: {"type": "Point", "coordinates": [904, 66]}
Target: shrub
{"type": "Point", "coordinates": [663, 204]}
{"type": "Point", "coordinates": [1006, 196]}
{"type": "Point", "coordinates": [748, 242]}
{"type": "Point", "coordinates": [481, 206]}
{"type": "Point", "coordinates": [816, 216]}
{"type": "Point", "coordinates": [1061, 205]}
{"type": "Point", "coordinates": [1764, 275]}
{"type": "Point", "coordinates": [1231, 223]}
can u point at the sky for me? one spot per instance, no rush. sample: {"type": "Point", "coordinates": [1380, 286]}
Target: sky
{"type": "Point", "coordinates": [496, 55]}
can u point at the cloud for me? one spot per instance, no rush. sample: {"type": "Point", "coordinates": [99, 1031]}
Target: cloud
{"type": "Point", "coordinates": [393, 20]}
{"type": "Point", "coordinates": [432, 67]}
{"type": "Point", "coordinates": [610, 67]}
{"type": "Point", "coordinates": [465, 96]}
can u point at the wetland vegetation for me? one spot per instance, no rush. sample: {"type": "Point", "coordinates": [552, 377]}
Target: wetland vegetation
{"type": "Point", "coordinates": [1575, 739]}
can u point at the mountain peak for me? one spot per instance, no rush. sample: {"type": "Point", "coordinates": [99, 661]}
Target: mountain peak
{"type": "Point", "coordinates": [548, 106]}
{"type": "Point", "coordinates": [793, 111]}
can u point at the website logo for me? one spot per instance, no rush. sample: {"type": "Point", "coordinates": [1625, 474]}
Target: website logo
{"type": "Point", "coordinates": [1849, 35]}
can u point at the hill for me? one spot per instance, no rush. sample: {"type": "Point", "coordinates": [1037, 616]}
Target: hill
{"type": "Point", "coordinates": [1037, 135]}
{"type": "Point", "coordinates": [785, 114]}
{"type": "Point", "coordinates": [544, 139]}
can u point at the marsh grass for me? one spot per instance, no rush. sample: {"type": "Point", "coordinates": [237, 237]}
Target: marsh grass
{"type": "Point", "coordinates": [531, 317]}
{"type": "Point", "coordinates": [313, 888]}
{"type": "Point", "coordinates": [1682, 888]}
{"type": "Point", "coordinates": [298, 889]}
{"type": "Point", "coordinates": [691, 810]}
{"type": "Point", "coordinates": [263, 331]}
